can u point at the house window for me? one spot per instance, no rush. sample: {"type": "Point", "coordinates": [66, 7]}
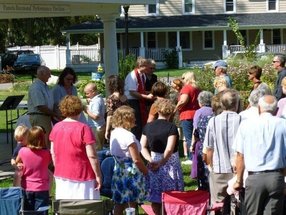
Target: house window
{"type": "Point", "coordinates": [153, 9]}
{"type": "Point", "coordinates": [276, 38]}
{"type": "Point", "coordinates": [272, 5]}
{"type": "Point", "coordinates": [185, 40]}
{"type": "Point", "coordinates": [189, 6]}
{"type": "Point", "coordinates": [230, 5]}
{"type": "Point", "coordinates": [208, 39]}
{"type": "Point", "coordinates": [151, 40]}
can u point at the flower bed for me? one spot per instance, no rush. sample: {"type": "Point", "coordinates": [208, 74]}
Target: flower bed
{"type": "Point", "coordinates": [6, 78]}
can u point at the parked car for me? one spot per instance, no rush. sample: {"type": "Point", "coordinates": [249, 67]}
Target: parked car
{"type": "Point", "coordinates": [28, 63]}
{"type": "Point", "coordinates": [9, 57]}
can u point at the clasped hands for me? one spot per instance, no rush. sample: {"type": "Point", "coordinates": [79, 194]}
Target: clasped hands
{"type": "Point", "coordinates": [154, 165]}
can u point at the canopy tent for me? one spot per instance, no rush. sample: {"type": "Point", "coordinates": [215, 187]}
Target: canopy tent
{"type": "Point", "coordinates": [107, 10]}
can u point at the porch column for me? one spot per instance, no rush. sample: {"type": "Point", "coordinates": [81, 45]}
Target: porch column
{"type": "Point", "coordinates": [110, 47]}
{"type": "Point", "coordinates": [68, 51]}
{"type": "Point", "coordinates": [166, 40]}
{"type": "Point", "coordinates": [98, 57]}
{"type": "Point", "coordinates": [225, 51]}
{"type": "Point", "coordinates": [179, 50]}
{"type": "Point", "coordinates": [262, 47]}
{"type": "Point", "coordinates": [142, 48]}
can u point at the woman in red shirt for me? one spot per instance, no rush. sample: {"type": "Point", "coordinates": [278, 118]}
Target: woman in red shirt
{"type": "Point", "coordinates": [187, 105]}
{"type": "Point", "coordinates": [77, 172]}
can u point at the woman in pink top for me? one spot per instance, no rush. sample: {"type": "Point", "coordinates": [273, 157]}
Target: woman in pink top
{"type": "Point", "coordinates": [34, 160]}
{"type": "Point", "coordinates": [77, 172]}
{"type": "Point", "coordinates": [187, 105]}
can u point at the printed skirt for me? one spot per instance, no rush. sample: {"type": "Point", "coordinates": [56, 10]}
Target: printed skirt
{"type": "Point", "coordinates": [128, 183]}
{"type": "Point", "coordinates": [168, 177]}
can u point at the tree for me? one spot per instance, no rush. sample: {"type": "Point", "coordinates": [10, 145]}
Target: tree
{"type": "Point", "coordinates": [42, 31]}
{"type": "Point", "coordinates": [250, 51]}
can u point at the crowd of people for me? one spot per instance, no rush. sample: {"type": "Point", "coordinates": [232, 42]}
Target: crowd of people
{"type": "Point", "coordinates": [233, 150]}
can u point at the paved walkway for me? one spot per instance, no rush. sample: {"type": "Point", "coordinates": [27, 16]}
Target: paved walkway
{"type": "Point", "coordinates": [6, 86]}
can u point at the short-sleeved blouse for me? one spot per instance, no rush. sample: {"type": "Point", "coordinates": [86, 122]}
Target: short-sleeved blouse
{"type": "Point", "coordinates": [69, 144]}
{"type": "Point", "coordinates": [157, 133]}
{"type": "Point", "coordinates": [187, 112]}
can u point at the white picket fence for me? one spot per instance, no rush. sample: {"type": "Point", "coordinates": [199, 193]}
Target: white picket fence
{"type": "Point", "coordinates": [55, 56]}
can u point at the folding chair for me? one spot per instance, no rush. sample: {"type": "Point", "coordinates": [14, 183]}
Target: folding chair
{"type": "Point", "coordinates": [188, 202]}
{"type": "Point", "coordinates": [12, 203]}
{"type": "Point", "coordinates": [80, 207]}
{"type": "Point", "coordinates": [10, 200]}
{"type": "Point", "coordinates": [107, 166]}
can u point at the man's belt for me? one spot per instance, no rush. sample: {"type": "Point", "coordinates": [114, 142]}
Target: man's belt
{"type": "Point", "coordinates": [265, 171]}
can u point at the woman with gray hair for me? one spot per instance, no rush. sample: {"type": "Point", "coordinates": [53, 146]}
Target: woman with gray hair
{"type": "Point", "coordinates": [252, 110]}
{"type": "Point", "coordinates": [204, 99]}
{"type": "Point", "coordinates": [201, 118]}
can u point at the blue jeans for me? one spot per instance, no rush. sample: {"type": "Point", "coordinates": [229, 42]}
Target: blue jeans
{"type": "Point", "coordinates": [187, 127]}
{"type": "Point", "coordinates": [35, 200]}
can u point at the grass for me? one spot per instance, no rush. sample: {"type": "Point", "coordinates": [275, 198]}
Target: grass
{"type": "Point", "coordinates": [8, 182]}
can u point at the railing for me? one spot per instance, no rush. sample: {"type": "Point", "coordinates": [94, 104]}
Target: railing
{"type": "Point", "coordinates": [276, 48]}
{"type": "Point", "coordinates": [155, 54]}
{"type": "Point", "coordinates": [281, 48]}
{"type": "Point", "coordinates": [236, 48]}
{"type": "Point", "coordinates": [134, 51]}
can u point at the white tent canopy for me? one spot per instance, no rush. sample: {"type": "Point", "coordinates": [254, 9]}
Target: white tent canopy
{"type": "Point", "coordinates": [108, 10]}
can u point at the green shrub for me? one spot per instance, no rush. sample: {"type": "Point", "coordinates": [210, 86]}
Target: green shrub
{"type": "Point", "coordinates": [99, 84]}
{"type": "Point", "coordinates": [205, 78]}
{"type": "Point", "coordinates": [171, 59]}
{"type": "Point", "coordinates": [238, 71]}
{"type": "Point", "coordinates": [126, 65]}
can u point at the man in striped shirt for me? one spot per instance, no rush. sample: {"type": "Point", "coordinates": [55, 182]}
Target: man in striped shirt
{"type": "Point", "coordinates": [220, 133]}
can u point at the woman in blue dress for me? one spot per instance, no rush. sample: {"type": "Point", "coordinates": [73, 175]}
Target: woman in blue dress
{"type": "Point", "coordinates": [128, 181]}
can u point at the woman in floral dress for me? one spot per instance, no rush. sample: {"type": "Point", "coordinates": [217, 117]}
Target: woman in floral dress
{"type": "Point", "coordinates": [128, 181]}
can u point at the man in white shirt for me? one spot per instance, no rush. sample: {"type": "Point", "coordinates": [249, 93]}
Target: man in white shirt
{"type": "Point", "coordinates": [260, 144]}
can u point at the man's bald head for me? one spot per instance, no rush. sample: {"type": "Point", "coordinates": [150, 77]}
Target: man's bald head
{"type": "Point", "coordinates": [267, 103]}
{"type": "Point", "coordinates": [43, 73]}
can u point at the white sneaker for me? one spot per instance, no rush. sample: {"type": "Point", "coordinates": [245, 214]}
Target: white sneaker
{"type": "Point", "coordinates": [187, 162]}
